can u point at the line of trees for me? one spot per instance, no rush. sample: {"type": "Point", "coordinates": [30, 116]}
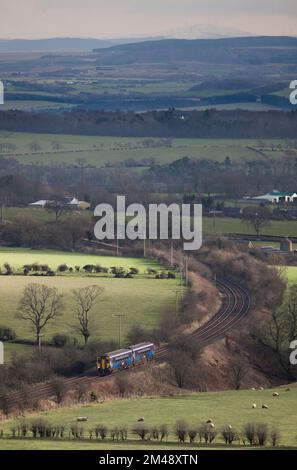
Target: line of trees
{"type": "Point", "coordinates": [253, 434]}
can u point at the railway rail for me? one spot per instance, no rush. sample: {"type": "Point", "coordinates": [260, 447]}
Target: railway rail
{"type": "Point", "coordinates": [235, 306]}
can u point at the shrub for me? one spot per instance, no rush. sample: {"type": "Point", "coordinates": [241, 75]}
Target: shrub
{"type": "Point", "coordinates": [8, 269]}
{"type": "Point", "coordinates": [249, 432]}
{"type": "Point", "coordinates": [62, 268]}
{"type": "Point", "coordinates": [7, 334]}
{"type": "Point", "coordinates": [163, 432]}
{"type": "Point", "coordinates": [60, 340]}
{"type": "Point", "coordinates": [262, 433]}
{"type": "Point", "coordinates": [141, 430]}
{"type": "Point", "coordinates": [101, 431]}
{"type": "Point", "coordinates": [181, 430]}
{"type": "Point", "coordinates": [192, 433]}
{"type": "Point", "coordinates": [59, 389]}
{"type": "Point", "coordinates": [229, 434]}
{"type": "Point", "coordinates": [274, 436]}
{"type": "Point", "coordinates": [207, 432]}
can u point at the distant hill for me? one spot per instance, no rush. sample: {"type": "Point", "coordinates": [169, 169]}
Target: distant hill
{"type": "Point", "coordinates": [205, 31]}
{"type": "Point", "coordinates": [61, 44]}
{"type": "Point", "coordinates": [255, 50]}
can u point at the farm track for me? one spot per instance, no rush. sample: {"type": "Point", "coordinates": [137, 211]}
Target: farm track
{"type": "Point", "coordinates": [236, 304]}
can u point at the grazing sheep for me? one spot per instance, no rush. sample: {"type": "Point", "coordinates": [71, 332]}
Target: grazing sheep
{"type": "Point", "coordinates": [260, 388]}
{"type": "Point", "coordinates": [265, 407]}
{"type": "Point", "coordinates": [254, 405]}
{"type": "Point", "coordinates": [82, 418]}
{"type": "Point", "coordinates": [209, 421]}
{"type": "Point", "coordinates": [275, 394]}
{"type": "Point", "coordinates": [253, 388]}
{"type": "Point", "coordinates": [229, 426]}
{"type": "Point", "coordinates": [140, 420]}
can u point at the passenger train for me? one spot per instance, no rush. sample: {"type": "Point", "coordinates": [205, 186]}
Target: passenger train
{"type": "Point", "coordinates": [125, 358]}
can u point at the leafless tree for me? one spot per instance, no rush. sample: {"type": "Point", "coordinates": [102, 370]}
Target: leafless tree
{"type": "Point", "coordinates": [39, 305]}
{"type": "Point", "coordinates": [85, 299]}
{"type": "Point", "coordinates": [238, 369]}
{"type": "Point", "coordinates": [256, 218]}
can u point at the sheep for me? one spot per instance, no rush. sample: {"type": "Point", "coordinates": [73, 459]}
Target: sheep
{"type": "Point", "coordinates": [254, 405]}
{"type": "Point", "coordinates": [82, 418]}
{"type": "Point", "coordinates": [275, 394]}
{"type": "Point", "coordinates": [140, 420]}
{"type": "Point", "coordinates": [209, 421]}
{"type": "Point", "coordinates": [253, 388]}
{"type": "Point", "coordinates": [265, 407]}
{"type": "Point", "coordinates": [260, 388]}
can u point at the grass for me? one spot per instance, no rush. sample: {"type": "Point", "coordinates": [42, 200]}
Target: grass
{"type": "Point", "coordinates": [98, 151]}
{"type": "Point", "coordinates": [17, 257]}
{"type": "Point", "coordinates": [211, 226]}
{"type": "Point", "coordinates": [291, 272]}
{"type": "Point", "coordinates": [140, 299]}
{"type": "Point", "coordinates": [228, 407]}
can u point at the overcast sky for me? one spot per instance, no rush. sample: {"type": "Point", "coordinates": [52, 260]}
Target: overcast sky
{"type": "Point", "coordinates": [126, 18]}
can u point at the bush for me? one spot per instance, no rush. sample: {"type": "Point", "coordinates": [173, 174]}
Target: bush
{"type": "Point", "coordinates": [249, 432]}
{"type": "Point", "coordinates": [262, 433]}
{"type": "Point", "coordinates": [274, 437]}
{"type": "Point", "coordinates": [229, 434]}
{"type": "Point", "coordinates": [141, 430]}
{"type": "Point", "coordinates": [181, 430]}
{"type": "Point", "coordinates": [62, 268]}
{"type": "Point", "coordinates": [192, 433]}
{"type": "Point", "coordinates": [101, 431]}
{"type": "Point", "coordinates": [207, 432]}
{"type": "Point", "coordinates": [59, 389]}
{"type": "Point", "coordinates": [7, 334]}
{"type": "Point", "coordinates": [60, 341]}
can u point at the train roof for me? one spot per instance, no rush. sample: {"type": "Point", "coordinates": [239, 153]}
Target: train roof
{"type": "Point", "coordinates": [141, 346]}
{"type": "Point", "coordinates": [118, 352]}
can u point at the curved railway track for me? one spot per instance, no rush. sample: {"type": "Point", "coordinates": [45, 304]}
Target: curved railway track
{"type": "Point", "coordinates": [235, 305]}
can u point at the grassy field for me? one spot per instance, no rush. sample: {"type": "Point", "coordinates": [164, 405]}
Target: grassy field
{"type": "Point", "coordinates": [140, 299]}
{"type": "Point", "coordinates": [216, 226]}
{"type": "Point", "coordinates": [49, 148]}
{"type": "Point", "coordinates": [17, 257]}
{"type": "Point", "coordinates": [231, 407]}
{"type": "Point", "coordinates": [291, 272]}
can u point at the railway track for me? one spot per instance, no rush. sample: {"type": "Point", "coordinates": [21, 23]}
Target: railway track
{"type": "Point", "coordinates": [235, 305]}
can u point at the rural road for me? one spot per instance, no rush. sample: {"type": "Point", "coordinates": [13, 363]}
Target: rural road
{"type": "Point", "coordinates": [235, 305]}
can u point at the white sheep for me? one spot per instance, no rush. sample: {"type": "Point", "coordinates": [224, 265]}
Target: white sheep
{"type": "Point", "coordinates": [265, 407]}
{"type": "Point", "coordinates": [254, 405]}
{"type": "Point", "coordinates": [275, 394]}
{"type": "Point", "coordinates": [82, 418]}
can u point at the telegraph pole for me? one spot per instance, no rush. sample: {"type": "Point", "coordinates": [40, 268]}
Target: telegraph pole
{"type": "Point", "coordinates": [120, 316]}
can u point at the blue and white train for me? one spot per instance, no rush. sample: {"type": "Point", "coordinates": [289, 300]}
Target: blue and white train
{"type": "Point", "coordinates": [125, 358]}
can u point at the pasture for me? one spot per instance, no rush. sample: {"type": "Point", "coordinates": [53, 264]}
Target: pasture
{"type": "Point", "coordinates": [228, 407]}
{"type": "Point", "coordinates": [98, 151]}
{"type": "Point", "coordinates": [211, 225]}
{"type": "Point", "coordinates": [141, 299]}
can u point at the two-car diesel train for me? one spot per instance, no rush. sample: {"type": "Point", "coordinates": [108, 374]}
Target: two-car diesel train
{"type": "Point", "coordinates": [125, 358]}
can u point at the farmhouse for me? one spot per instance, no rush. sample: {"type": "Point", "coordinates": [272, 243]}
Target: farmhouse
{"type": "Point", "coordinates": [71, 203]}
{"type": "Point", "coordinates": [277, 197]}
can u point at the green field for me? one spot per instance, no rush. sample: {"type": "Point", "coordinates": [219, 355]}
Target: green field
{"type": "Point", "coordinates": [211, 225]}
{"type": "Point", "coordinates": [17, 257]}
{"type": "Point", "coordinates": [291, 272]}
{"type": "Point", "coordinates": [223, 408]}
{"type": "Point", "coordinates": [50, 148]}
{"type": "Point", "coordinates": [140, 299]}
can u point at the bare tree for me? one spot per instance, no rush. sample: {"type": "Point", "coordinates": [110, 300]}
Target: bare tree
{"type": "Point", "coordinates": [238, 370]}
{"type": "Point", "coordinates": [256, 218]}
{"type": "Point", "coordinates": [39, 305]}
{"type": "Point", "coordinates": [85, 299]}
